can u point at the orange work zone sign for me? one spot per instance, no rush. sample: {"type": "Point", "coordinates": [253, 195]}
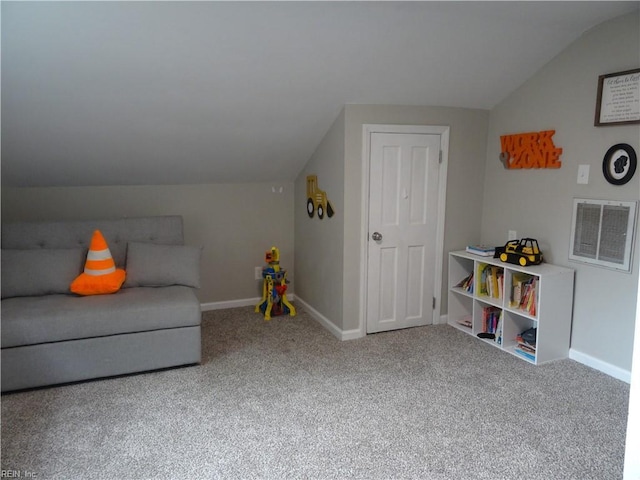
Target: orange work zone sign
{"type": "Point", "coordinates": [530, 150]}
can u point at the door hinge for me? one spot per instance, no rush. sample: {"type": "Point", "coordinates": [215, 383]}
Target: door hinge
{"type": "Point", "coordinates": [440, 157]}
{"type": "Point", "coordinates": [434, 303]}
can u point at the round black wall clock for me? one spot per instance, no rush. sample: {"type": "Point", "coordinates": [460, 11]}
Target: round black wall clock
{"type": "Point", "coordinates": [619, 164]}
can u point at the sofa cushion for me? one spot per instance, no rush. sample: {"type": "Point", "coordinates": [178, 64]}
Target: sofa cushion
{"type": "Point", "coordinates": [39, 271]}
{"type": "Point", "coordinates": [152, 265]}
{"type": "Point", "coordinates": [54, 318]}
{"type": "Point", "coordinates": [166, 230]}
{"type": "Point", "coordinates": [100, 274]}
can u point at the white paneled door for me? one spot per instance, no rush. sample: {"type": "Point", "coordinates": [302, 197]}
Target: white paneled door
{"type": "Point", "coordinates": [403, 213]}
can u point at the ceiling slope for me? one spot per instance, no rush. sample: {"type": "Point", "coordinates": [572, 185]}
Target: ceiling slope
{"type": "Point", "coordinates": [133, 93]}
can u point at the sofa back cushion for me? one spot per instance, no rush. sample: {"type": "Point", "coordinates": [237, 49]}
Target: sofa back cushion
{"type": "Point", "coordinates": [166, 230]}
{"type": "Point", "coordinates": [150, 265]}
{"type": "Point", "coordinates": [39, 272]}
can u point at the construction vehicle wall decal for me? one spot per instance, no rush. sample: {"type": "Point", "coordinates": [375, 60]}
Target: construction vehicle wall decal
{"type": "Point", "coordinates": [317, 199]}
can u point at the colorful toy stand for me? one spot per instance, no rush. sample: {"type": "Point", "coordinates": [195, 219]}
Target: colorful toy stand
{"type": "Point", "coordinates": [274, 287]}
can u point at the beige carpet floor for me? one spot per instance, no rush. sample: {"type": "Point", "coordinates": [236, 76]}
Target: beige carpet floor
{"type": "Point", "coordinates": [285, 399]}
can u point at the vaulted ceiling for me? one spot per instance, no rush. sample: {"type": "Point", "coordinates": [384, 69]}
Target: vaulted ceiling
{"type": "Point", "coordinates": [122, 93]}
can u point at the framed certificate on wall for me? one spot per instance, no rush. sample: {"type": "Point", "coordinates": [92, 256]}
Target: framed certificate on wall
{"type": "Point", "coordinates": [618, 100]}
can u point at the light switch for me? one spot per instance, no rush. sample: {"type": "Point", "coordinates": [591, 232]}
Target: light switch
{"type": "Point", "coordinates": [583, 174]}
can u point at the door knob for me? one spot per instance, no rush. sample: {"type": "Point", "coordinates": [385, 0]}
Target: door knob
{"type": "Point", "coordinates": [377, 236]}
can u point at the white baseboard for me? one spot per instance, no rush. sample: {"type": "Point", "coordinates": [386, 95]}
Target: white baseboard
{"type": "Point", "coordinates": [241, 302]}
{"type": "Point", "coordinates": [604, 367]}
{"type": "Point", "coordinates": [352, 334]}
{"type": "Point", "coordinates": [328, 324]}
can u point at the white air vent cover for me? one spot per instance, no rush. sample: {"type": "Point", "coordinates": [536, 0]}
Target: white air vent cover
{"type": "Point", "coordinates": [602, 233]}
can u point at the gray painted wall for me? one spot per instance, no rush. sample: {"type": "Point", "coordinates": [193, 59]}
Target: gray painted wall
{"type": "Point", "coordinates": [538, 203]}
{"type": "Point", "coordinates": [328, 255]}
{"type": "Point", "coordinates": [318, 243]}
{"type": "Point", "coordinates": [467, 142]}
{"type": "Point", "coordinates": [235, 223]}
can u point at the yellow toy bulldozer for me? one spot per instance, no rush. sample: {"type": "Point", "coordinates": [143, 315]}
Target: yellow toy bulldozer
{"type": "Point", "coordinates": [521, 252]}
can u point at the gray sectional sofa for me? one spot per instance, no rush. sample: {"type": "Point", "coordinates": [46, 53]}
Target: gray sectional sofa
{"type": "Point", "coordinates": [51, 336]}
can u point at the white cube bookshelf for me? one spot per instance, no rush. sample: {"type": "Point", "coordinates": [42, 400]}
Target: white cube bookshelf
{"type": "Point", "coordinates": [474, 307]}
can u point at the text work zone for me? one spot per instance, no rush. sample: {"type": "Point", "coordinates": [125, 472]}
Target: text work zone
{"type": "Point", "coordinates": [530, 150]}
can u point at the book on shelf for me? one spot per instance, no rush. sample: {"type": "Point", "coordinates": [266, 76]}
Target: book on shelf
{"type": "Point", "coordinates": [466, 283]}
{"type": "Point", "coordinates": [497, 282]}
{"type": "Point", "coordinates": [524, 293]}
{"type": "Point", "coordinates": [527, 355]}
{"type": "Point", "coordinates": [497, 327]}
{"type": "Point", "coordinates": [466, 321]}
{"type": "Point", "coordinates": [482, 250]}
{"type": "Point", "coordinates": [491, 280]}
{"type": "Point", "coordinates": [498, 338]}
{"type": "Point", "coordinates": [527, 348]}
{"type": "Point", "coordinates": [526, 344]}
{"type": "Point", "coordinates": [491, 320]}
{"type": "Point", "coordinates": [482, 276]}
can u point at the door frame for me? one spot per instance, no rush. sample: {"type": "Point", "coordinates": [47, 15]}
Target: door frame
{"type": "Point", "coordinates": [367, 131]}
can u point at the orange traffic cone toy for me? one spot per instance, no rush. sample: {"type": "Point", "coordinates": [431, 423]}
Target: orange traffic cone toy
{"type": "Point", "coordinates": [100, 274]}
